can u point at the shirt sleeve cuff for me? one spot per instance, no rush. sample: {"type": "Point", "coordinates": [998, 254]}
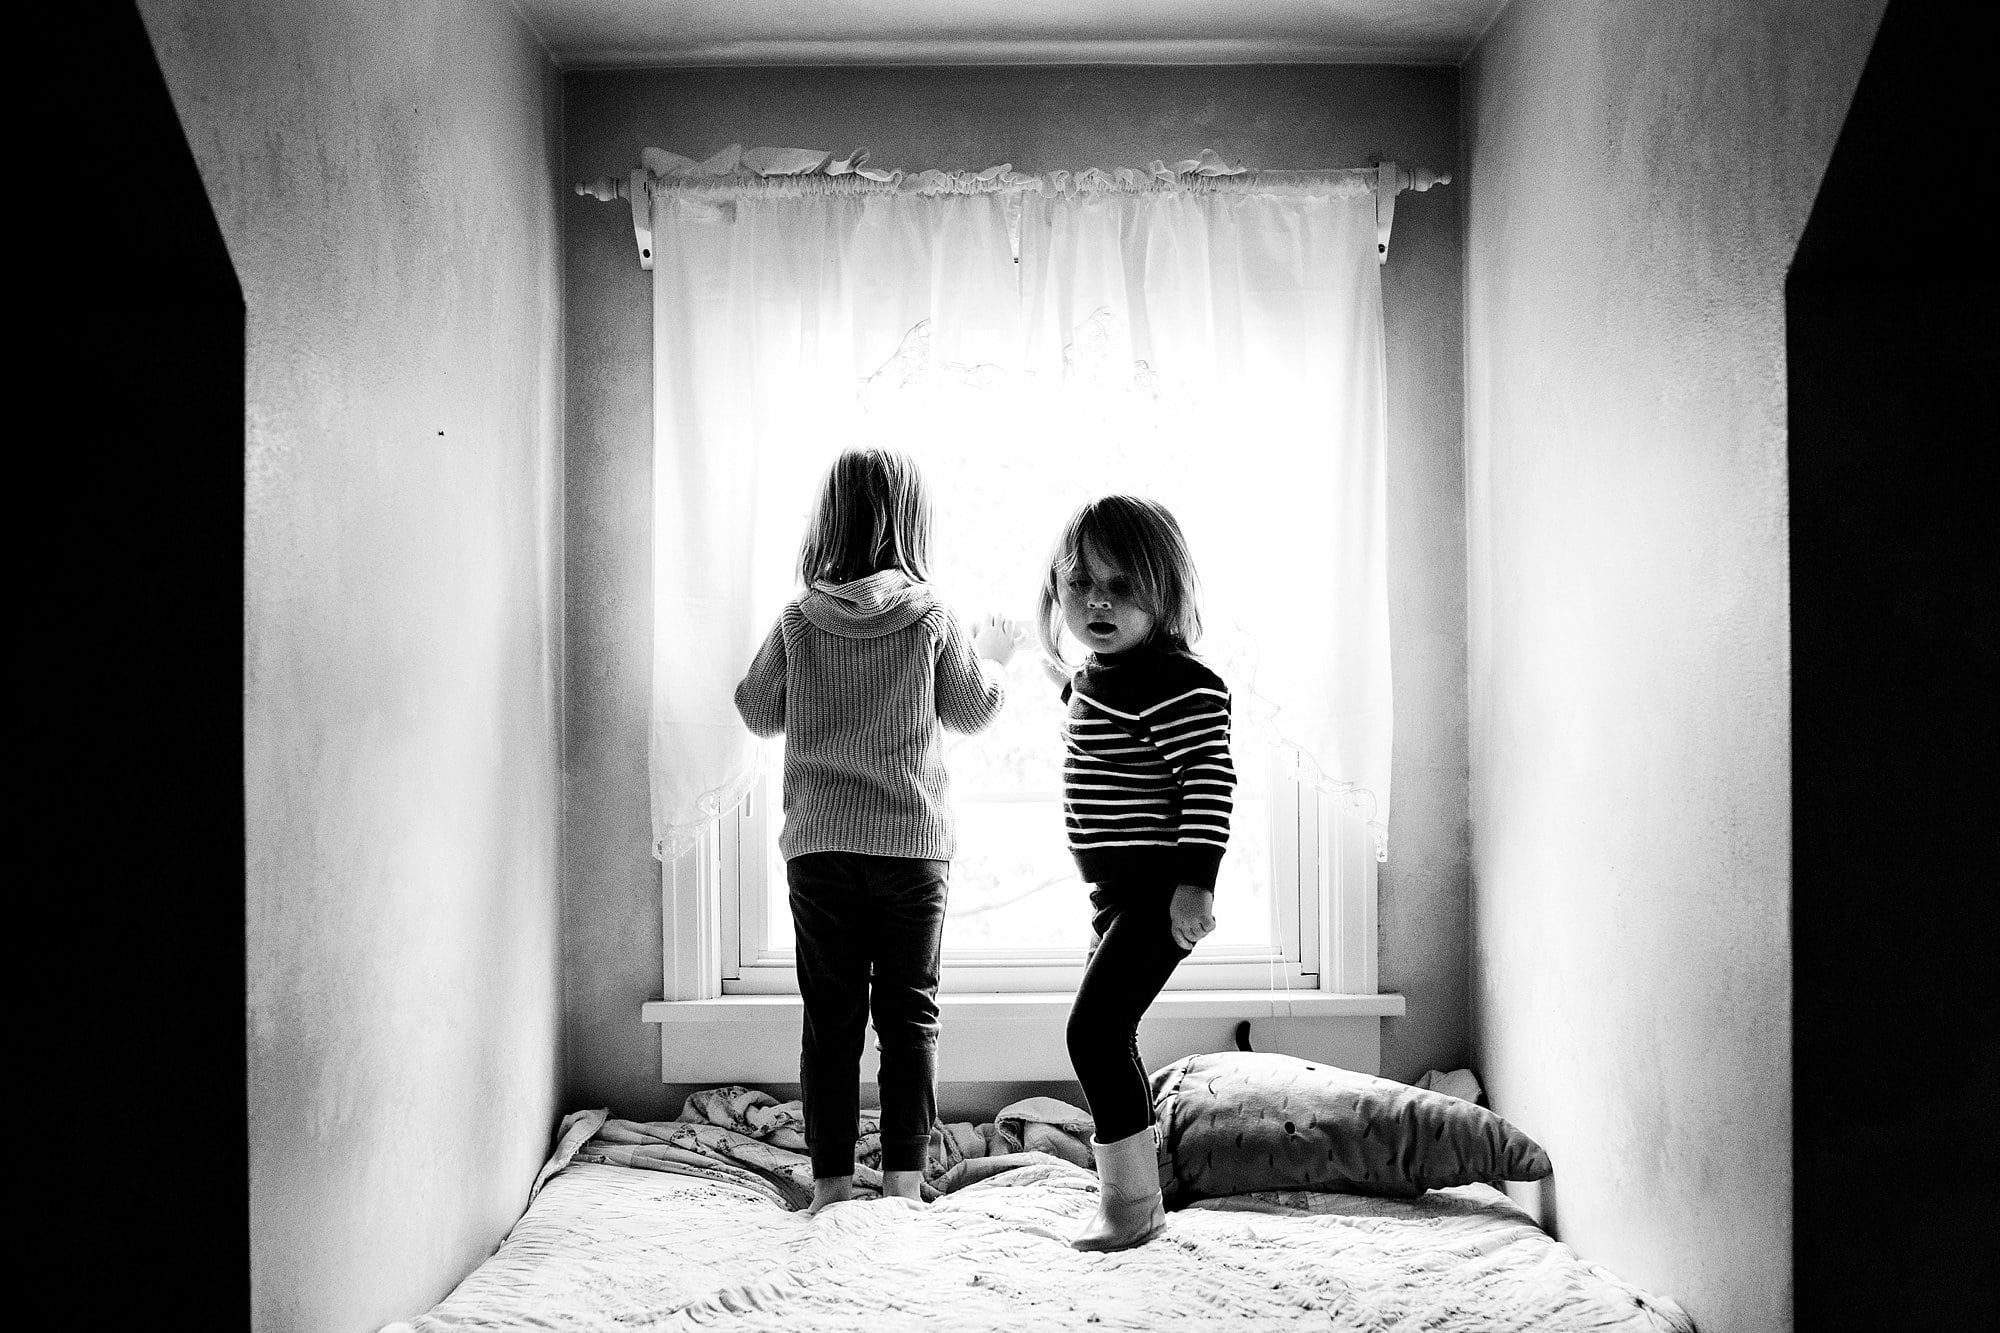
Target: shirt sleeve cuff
{"type": "Point", "coordinates": [1198, 866]}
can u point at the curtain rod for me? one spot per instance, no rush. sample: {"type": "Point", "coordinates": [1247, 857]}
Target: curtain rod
{"type": "Point", "coordinates": [738, 168]}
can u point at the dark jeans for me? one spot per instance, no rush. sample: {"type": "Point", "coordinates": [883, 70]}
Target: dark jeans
{"type": "Point", "coordinates": [870, 933]}
{"type": "Point", "coordinates": [1134, 955]}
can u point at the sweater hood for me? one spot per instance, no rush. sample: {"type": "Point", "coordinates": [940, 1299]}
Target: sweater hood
{"type": "Point", "coordinates": [868, 608]}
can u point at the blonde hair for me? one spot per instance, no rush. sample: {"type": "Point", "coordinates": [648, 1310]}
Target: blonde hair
{"type": "Point", "coordinates": [873, 513]}
{"type": "Point", "coordinates": [1140, 536]}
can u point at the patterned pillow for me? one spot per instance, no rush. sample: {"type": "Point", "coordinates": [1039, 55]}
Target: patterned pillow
{"type": "Point", "coordinates": [1242, 1121]}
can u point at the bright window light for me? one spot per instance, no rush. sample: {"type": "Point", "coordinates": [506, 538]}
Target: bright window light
{"type": "Point", "coordinates": [1007, 466]}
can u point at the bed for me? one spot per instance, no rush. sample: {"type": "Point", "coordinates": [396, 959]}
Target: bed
{"type": "Point", "coordinates": [696, 1224]}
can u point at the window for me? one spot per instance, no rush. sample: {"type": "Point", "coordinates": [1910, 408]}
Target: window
{"type": "Point", "coordinates": [1019, 917]}
{"type": "Point", "coordinates": [1215, 344]}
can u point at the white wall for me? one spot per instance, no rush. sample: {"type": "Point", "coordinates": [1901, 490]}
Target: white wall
{"type": "Point", "coordinates": [385, 178]}
{"type": "Point", "coordinates": [1637, 178]}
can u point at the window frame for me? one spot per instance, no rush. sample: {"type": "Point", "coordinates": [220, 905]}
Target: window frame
{"type": "Point", "coordinates": [1323, 885]}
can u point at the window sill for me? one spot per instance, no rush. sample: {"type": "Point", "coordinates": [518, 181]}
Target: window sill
{"type": "Point", "coordinates": [1031, 1006]}
{"type": "Point", "coordinates": [754, 1039]}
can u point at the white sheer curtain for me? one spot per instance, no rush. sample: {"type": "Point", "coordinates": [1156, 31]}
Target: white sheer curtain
{"type": "Point", "coordinates": [1223, 336]}
{"type": "Point", "coordinates": [1245, 319]}
{"type": "Point", "coordinates": [769, 309]}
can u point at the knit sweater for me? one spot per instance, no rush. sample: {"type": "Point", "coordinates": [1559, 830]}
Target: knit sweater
{"type": "Point", "coordinates": [1147, 779]}
{"type": "Point", "coordinates": [862, 678]}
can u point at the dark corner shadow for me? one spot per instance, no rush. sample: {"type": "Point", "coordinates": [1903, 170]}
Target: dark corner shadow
{"type": "Point", "coordinates": [1891, 363]}
{"type": "Point", "coordinates": [137, 357]}
{"type": "Point", "coordinates": [1544, 1209]}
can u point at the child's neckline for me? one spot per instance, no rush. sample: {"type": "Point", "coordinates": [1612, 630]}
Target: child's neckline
{"type": "Point", "coordinates": [1130, 654]}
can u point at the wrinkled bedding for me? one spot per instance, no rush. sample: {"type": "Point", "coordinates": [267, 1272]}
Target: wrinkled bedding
{"type": "Point", "coordinates": [743, 1137]}
{"type": "Point", "coordinates": [610, 1247]}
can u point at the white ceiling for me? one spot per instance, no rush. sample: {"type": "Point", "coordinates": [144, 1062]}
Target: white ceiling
{"type": "Point", "coordinates": [598, 34]}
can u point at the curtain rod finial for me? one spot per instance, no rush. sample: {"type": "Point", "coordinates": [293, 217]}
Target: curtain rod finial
{"type": "Point", "coordinates": [604, 189]}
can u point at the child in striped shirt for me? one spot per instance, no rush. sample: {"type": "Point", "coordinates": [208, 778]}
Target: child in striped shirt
{"type": "Point", "coordinates": [1147, 790]}
{"type": "Point", "coordinates": [862, 672]}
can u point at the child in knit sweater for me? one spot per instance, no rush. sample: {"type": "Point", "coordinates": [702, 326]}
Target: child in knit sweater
{"type": "Point", "coordinates": [862, 673]}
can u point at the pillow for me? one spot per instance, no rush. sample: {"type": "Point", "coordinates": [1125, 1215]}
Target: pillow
{"type": "Point", "coordinates": [1242, 1121]}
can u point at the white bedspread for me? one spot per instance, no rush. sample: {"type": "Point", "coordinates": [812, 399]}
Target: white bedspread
{"type": "Point", "coordinates": [612, 1248]}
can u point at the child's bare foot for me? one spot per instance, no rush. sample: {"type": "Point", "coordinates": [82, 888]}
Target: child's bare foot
{"type": "Point", "coordinates": [829, 1190]}
{"type": "Point", "coordinates": [903, 1185]}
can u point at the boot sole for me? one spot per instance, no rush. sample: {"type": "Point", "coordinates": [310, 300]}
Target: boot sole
{"type": "Point", "coordinates": [1133, 1243]}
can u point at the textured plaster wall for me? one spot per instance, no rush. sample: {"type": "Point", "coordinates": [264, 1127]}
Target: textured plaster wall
{"type": "Point", "coordinates": [1637, 178]}
{"type": "Point", "coordinates": [1038, 119]}
{"type": "Point", "coordinates": [385, 178]}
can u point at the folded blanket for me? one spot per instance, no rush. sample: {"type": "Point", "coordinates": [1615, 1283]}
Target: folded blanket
{"type": "Point", "coordinates": [749, 1139]}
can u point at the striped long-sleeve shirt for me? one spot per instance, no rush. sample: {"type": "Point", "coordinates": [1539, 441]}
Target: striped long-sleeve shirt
{"type": "Point", "coordinates": [862, 678]}
{"type": "Point", "coordinates": [1147, 779]}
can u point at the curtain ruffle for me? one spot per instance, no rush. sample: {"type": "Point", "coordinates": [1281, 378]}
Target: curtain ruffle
{"type": "Point", "coordinates": [739, 170]}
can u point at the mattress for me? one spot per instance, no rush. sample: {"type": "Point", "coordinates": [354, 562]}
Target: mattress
{"type": "Point", "coordinates": [608, 1247]}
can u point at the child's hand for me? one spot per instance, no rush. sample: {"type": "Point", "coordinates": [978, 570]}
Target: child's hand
{"type": "Point", "coordinates": [1193, 914]}
{"type": "Point", "coordinates": [996, 637]}
{"type": "Point", "coordinates": [1055, 672]}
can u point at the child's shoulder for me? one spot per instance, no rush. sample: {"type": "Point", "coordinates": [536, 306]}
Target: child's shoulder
{"type": "Point", "coordinates": [938, 621]}
{"type": "Point", "coordinates": [1181, 670]}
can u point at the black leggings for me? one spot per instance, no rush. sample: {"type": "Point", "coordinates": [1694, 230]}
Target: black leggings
{"type": "Point", "coordinates": [1131, 960]}
{"type": "Point", "coordinates": [870, 932]}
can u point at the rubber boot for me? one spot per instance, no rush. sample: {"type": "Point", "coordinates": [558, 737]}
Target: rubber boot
{"type": "Point", "coordinates": [1129, 1209]}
